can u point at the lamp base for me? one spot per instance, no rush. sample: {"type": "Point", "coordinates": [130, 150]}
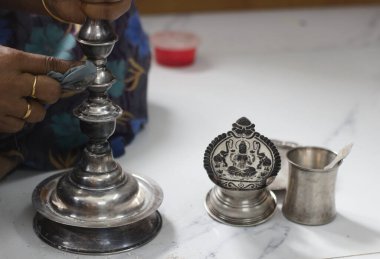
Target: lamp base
{"type": "Point", "coordinates": [97, 240]}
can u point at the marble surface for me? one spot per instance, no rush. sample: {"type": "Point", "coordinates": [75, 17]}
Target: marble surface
{"type": "Point", "coordinates": [309, 76]}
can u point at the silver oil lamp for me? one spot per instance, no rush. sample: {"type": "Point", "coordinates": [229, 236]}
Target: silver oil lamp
{"type": "Point", "coordinates": [242, 163]}
{"type": "Point", "coordinates": [97, 208]}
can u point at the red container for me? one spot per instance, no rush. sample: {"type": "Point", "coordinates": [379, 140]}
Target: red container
{"type": "Point", "coordinates": [175, 48]}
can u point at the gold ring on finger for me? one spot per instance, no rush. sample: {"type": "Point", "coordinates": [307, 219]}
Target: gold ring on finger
{"type": "Point", "coordinates": [28, 111]}
{"type": "Point", "coordinates": [33, 94]}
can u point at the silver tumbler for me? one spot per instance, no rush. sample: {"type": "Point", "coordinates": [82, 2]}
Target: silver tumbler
{"type": "Point", "coordinates": [310, 195]}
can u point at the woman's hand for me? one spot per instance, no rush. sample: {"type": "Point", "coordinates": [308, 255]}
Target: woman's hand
{"type": "Point", "coordinates": [17, 74]}
{"type": "Point", "coordinates": [76, 11]}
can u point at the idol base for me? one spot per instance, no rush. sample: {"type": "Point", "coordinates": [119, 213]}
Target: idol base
{"type": "Point", "coordinates": [240, 208]}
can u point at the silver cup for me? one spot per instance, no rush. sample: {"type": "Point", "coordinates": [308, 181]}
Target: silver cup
{"type": "Point", "coordinates": [310, 196]}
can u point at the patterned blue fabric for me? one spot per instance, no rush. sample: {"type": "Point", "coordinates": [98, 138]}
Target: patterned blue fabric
{"type": "Point", "coordinates": [57, 142]}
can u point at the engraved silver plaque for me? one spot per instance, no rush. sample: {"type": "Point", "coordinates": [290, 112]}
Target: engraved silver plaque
{"type": "Point", "coordinates": [242, 163]}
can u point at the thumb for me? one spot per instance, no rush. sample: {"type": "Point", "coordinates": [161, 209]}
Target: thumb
{"type": "Point", "coordinates": [40, 64]}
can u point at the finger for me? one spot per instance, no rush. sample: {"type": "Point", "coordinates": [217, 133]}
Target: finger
{"type": "Point", "coordinates": [40, 64]}
{"type": "Point", "coordinates": [20, 107]}
{"type": "Point", "coordinates": [106, 11]}
{"type": "Point", "coordinates": [38, 112]}
{"type": "Point", "coordinates": [10, 124]}
{"type": "Point", "coordinates": [47, 89]}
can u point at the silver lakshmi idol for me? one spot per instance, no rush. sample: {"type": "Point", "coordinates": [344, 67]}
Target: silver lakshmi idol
{"type": "Point", "coordinates": [97, 207]}
{"type": "Point", "coordinates": [242, 163]}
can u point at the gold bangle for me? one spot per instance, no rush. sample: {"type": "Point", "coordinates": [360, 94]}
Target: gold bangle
{"type": "Point", "coordinates": [51, 13]}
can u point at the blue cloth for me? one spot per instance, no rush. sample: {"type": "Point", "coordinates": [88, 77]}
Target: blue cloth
{"type": "Point", "coordinates": [76, 78]}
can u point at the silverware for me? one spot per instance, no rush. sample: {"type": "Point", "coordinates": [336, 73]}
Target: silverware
{"type": "Point", "coordinates": [281, 180]}
{"type": "Point", "coordinates": [310, 195]}
{"type": "Point", "coordinates": [97, 208]}
{"type": "Point", "coordinates": [241, 163]}
{"type": "Point", "coordinates": [343, 153]}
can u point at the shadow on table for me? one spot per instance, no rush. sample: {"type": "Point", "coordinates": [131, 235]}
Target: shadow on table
{"type": "Point", "coordinates": [343, 234]}
{"type": "Point", "coordinates": [200, 65]}
{"type": "Point", "coordinates": [161, 244]}
{"type": "Point", "coordinates": [352, 230]}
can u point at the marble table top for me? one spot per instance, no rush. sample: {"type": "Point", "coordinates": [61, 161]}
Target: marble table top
{"type": "Point", "coordinates": [308, 76]}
